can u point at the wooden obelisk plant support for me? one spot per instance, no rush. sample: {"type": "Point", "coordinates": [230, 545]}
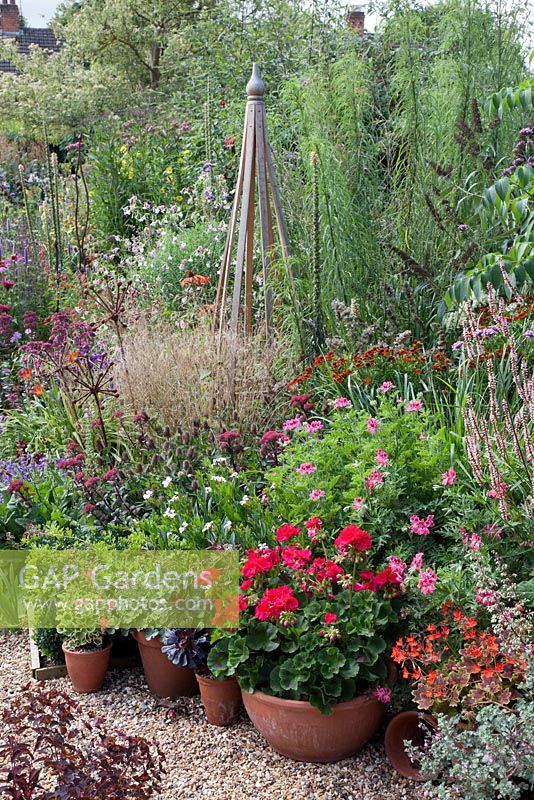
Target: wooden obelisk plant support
{"type": "Point", "coordinates": [256, 172]}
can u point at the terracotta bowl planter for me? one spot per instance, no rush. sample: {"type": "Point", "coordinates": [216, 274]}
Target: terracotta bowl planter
{"type": "Point", "coordinates": [87, 668]}
{"type": "Point", "coordinates": [299, 731]}
{"type": "Point", "coordinates": [162, 677]}
{"type": "Point", "coordinates": [407, 725]}
{"type": "Point", "coordinates": [221, 700]}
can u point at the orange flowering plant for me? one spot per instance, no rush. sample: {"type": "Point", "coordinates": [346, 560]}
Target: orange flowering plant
{"type": "Point", "coordinates": [457, 666]}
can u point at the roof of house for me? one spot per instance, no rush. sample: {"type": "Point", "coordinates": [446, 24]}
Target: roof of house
{"type": "Point", "coordinates": [42, 37]}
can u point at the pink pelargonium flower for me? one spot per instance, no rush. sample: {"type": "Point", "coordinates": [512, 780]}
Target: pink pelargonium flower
{"type": "Point", "coordinates": [448, 477]}
{"type": "Point", "coordinates": [414, 406]}
{"type": "Point", "coordinates": [342, 402]}
{"type": "Point", "coordinates": [382, 458]}
{"type": "Point", "coordinates": [316, 494]}
{"type": "Point", "coordinates": [427, 581]}
{"type": "Point", "coordinates": [357, 504]}
{"type": "Point", "coordinates": [398, 566]}
{"type": "Point", "coordinates": [314, 426]}
{"type": "Point", "coordinates": [306, 469]}
{"type": "Point", "coordinates": [383, 694]}
{"type": "Point", "coordinates": [417, 561]}
{"type": "Point", "coordinates": [291, 424]}
{"type": "Point", "coordinates": [420, 526]}
{"type": "Point", "coordinates": [386, 387]}
{"type": "Point", "coordinates": [372, 425]}
{"type": "Point", "coordinates": [375, 479]}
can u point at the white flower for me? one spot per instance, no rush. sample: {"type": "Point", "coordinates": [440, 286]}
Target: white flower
{"type": "Point", "coordinates": [218, 478]}
{"type": "Point", "coordinates": [207, 489]}
{"type": "Point", "coordinates": [169, 513]}
{"type": "Point", "coordinates": [166, 482]}
{"type": "Point", "coordinates": [227, 525]}
{"type": "Point", "coordinates": [234, 475]}
{"type": "Point", "coordinates": [208, 526]}
{"type": "Point", "coordinates": [183, 526]}
{"type": "Point", "coordinates": [244, 500]}
{"type": "Point", "coordinates": [219, 460]}
{"type": "Point", "coordinates": [148, 494]}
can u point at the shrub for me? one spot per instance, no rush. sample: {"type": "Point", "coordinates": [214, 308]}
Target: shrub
{"type": "Point", "coordinates": [76, 757]}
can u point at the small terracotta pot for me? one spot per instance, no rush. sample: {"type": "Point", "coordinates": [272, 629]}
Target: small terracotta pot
{"type": "Point", "coordinates": [221, 700]}
{"type": "Point", "coordinates": [162, 677]}
{"type": "Point", "coordinates": [299, 731]}
{"type": "Point", "coordinates": [411, 725]}
{"type": "Point", "coordinates": [87, 668]}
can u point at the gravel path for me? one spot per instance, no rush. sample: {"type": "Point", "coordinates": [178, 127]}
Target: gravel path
{"type": "Point", "coordinates": [216, 763]}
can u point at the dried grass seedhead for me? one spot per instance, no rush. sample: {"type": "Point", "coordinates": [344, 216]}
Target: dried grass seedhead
{"type": "Point", "coordinates": [183, 376]}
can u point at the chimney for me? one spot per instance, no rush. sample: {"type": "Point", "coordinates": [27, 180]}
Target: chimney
{"type": "Point", "coordinates": [356, 19]}
{"type": "Point", "coordinates": [9, 16]}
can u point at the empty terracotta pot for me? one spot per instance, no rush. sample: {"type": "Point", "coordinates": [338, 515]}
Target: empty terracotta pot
{"type": "Point", "coordinates": [299, 731]}
{"type": "Point", "coordinates": [162, 677]}
{"type": "Point", "coordinates": [87, 668]}
{"type": "Point", "coordinates": [411, 725]}
{"type": "Point", "coordinates": [221, 700]}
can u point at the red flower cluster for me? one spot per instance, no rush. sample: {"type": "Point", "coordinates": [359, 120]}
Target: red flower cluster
{"type": "Point", "coordinates": [259, 561]}
{"type": "Point", "coordinates": [275, 601]}
{"type": "Point", "coordinates": [353, 537]}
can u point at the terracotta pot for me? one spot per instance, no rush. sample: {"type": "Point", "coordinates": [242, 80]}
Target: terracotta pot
{"type": "Point", "coordinates": [407, 725]}
{"type": "Point", "coordinates": [221, 700]}
{"type": "Point", "coordinates": [87, 668]}
{"type": "Point", "coordinates": [162, 677]}
{"type": "Point", "coordinates": [299, 731]}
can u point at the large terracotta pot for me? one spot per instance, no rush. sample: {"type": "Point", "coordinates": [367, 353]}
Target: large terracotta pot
{"type": "Point", "coordinates": [299, 731]}
{"type": "Point", "coordinates": [87, 668]}
{"type": "Point", "coordinates": [221, 700]}
{"type": "Point", "coordinates": [414, 726]}
{"type": "Point", "coordinates": [162, 677]}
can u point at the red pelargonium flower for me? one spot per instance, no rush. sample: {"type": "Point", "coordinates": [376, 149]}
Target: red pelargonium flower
{"type": "Point", "coordinates": [259, 561]}
{"type": "Point", "coordinates": [353, 537]}
{"type": "Point", "coordinates": [295, 557]}
{"type": "Point", "coordinates": [324, 570]}
{"type": "Point", "coordinates": [372, 582]}
{"type": "Point", "coordinates": [286, 531]}
{"type": "Point", "coordinates": [274, 602]}
{"type": "Point", "coordinates": [313, 522]}
{"type": "Point", "coordinates": [330, 618]}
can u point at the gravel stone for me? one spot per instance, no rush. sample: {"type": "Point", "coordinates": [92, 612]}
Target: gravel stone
{"type": "Point", "coordinates": [204, 761]}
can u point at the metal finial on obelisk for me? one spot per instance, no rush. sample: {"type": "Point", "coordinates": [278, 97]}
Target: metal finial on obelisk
{"type": "Point", "coordinates": [255, 168]}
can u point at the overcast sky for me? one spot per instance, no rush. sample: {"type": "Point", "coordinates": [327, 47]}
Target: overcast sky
{"type": "Point", "coordinates": [38, 12]}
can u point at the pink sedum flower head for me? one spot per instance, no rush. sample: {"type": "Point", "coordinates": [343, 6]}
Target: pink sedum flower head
{"type": "Point", "coordinates": [316, 494]}
{"type": "Point", "coordinates": [342, 402]}
{"type": "Point", "coordinates": [382, 458]}
{"type": "Point", "coordinates": [383, 694]}
{"type": "Point", "coordinates": [372, 425]}
{"type": "Point", "coordinates": [448, 477]}
{"type": "Point", "coordinates": [427, 581]}
{"type": "Point", "coordinates": [306, 469]}
{"type": "Point", "coordinates": [414, 406]}
{"type": "Point", "coordinates": [386, 387]}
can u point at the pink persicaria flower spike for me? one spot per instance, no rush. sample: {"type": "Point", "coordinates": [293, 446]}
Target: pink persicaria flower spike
{"type": "Point", "coordinates": [427, 581]}
{"type": "Point", "coordinates": [316, 494]}
{"type": "Point", "coordinates": [306, 469]}
{"type": "Point", "coordinates": [386, 387]}
{"type": "Point", "coordinates": [382, 458]}
{"type": "Point", "coordinates": [342, 402]}
{"type": "Point", "coordinates": [372, 425]}
{"type": "Point", "coordinates": [383, 694]}
{"type": "Point", "coordinates": [414, 406]}
{"type": "Point", "coordinates": [448, 477]}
